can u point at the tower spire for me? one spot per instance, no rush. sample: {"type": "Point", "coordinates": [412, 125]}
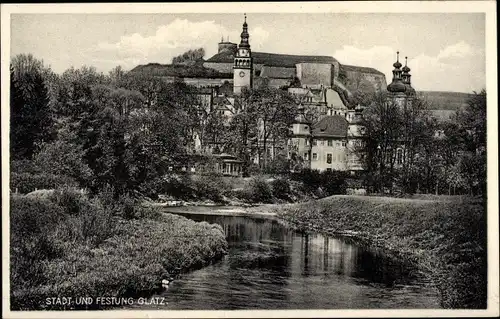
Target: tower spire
{"type": "Point", "coordinates": [397, 84]}
{"type": "Point", "coordinates": [244, 35]}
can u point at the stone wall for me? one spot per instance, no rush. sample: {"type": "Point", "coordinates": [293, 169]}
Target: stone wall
{"type": "Point", "coordinates": [311, 74]}
{"type": "Point", "coordinates": [221, 67]}
{"type": "Point", "coordinates": [357, 79]}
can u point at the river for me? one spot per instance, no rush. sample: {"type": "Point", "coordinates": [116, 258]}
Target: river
{"type": "Point", "coordinates": [270, 266]}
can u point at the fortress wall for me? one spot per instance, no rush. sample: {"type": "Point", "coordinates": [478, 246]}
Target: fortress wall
{"type": "Point", "coordinates": [376, 80]}
{"type": "Point", "coordinates": [311, 74]}
{"type": "Point", "coordinates": [200, 82]}
{"type": "Point", "coordinates": [221, 67]}
{"type": "Point", "coordinates": [277, 83]}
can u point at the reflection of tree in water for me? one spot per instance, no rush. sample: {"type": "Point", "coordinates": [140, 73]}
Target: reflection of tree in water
{"type": "Point", "coordinates": [254, 242]}
{"type": "Point", "coordinates": [377, 267]}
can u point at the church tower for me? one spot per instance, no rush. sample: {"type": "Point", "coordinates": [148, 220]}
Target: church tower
{"type": "Point", "coordinates": [243, 63]}
{"type": "Point", "coordinates": [397, 88]}
{"type": "Point", "coordinates": [406, 77]}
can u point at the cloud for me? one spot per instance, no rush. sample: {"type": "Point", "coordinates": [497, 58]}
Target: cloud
{"type": "Point", "coordinates": [169, 41]}
{"type": "Point", "coordinates": [458, 50]}
{"type": "Point", "coordinates": [457, 67]}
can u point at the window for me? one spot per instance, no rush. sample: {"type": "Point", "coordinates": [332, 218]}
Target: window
{"type": "Point", "coordinates": [307, 142]}
{"type": "Point", "coordinates": [328, 158]}
{"type": "Point", "coordinates": [399, 156]}
{"type": "Point", "coordinates": [315, 157]}
{"type": "Point", "coordinates": [306, 127]}
{"type": "Point", "coordinates": [315, 142]}
{"type": "Point", "coordinates": [306, 157]}
{"type": "Point", "coordinates": [330, 143]}
{"type": "Point", "coordinates": [322, 143]}
{"type": "Point", "coordinates": [343, 143]}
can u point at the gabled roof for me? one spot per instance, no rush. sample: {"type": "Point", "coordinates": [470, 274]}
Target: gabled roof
{"type": "Point", "coordinates": [274, 59]}
{"type": "Point", "coordinates": [360, 69]}
{"type": "Point", "coordinates": [330, 126]}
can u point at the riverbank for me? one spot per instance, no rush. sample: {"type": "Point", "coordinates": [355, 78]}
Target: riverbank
{"type": "Point", "coordinates": [66, 245]}
{"type": "Point", "coordinates": [444, 238]}
{"type": "Point", "coordinates": [255, 211]}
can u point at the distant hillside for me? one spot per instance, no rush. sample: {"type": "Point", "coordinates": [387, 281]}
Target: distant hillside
{"type": "Point", "coordinates": [445, 100]}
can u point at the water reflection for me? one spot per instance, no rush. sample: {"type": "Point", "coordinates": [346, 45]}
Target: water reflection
{"type": "Point", "coordinates": [272, 267]}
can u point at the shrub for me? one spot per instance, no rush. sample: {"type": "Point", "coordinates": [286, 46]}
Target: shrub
{"type": "Point", "coordinates": [87, 221]}
{"type": "Point", "coordinates": [28, 182]}
{"type": "Point", "coordinates": [333, 182]}
{"type": "Point", "coordinates": [31, 223]}
{"type": "Point", "coordinates": [179, 186]}
{"type": "Point", "coordinates": [281, 188]}
{"type": "Point", "coordinates": [258, 190]}
{"type": "Point", "coordinates": [211, 186]}
{"type": "Point", "coordinates": [322, 183]}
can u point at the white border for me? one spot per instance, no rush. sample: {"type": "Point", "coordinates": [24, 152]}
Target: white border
{"type": "Point", "coordinates": [488, 7]}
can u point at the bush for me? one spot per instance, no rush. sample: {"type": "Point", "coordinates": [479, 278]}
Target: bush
{"type": "Point", "coordinates": [86, 221]}
{"type": "Point", "coordinates": [333, 182]}
{"type": "Point", "coordinates": [281, 188]}
{"type": "Point", "coordinates": [31, 224]}
{"type": "Point", "coordinates": [28, 182]}
{"type": "Point", "coordinates": [321, 183]}
{"type": "Point", "coordinates": [179, 186]}
{"type": "Point", "coordinates": [211, 186]}
{"type": "Point", "coordinates": [258, 190]}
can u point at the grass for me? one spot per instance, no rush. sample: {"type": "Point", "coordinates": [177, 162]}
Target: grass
{"type": "Point", "coordinates": [445, 239]}
{"type": "Point", "coordinates": [64, 244]}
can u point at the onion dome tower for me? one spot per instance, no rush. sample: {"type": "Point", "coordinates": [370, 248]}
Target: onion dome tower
{"type": "Point", "coordinates": [243, 62]}
{"type": "Point", "coordinates": [406, 76]}
{"type": "Point", "coordinates": [397, 85]}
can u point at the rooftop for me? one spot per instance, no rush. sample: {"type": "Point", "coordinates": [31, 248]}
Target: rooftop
{"type": "Point", "coordinates": [274, 59]}
{"type": "Point", "coordinates": [330, 126]}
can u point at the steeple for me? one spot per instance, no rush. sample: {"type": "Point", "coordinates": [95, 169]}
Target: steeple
{"type": "Point", "coordinates": [397, 84]}
{"type": "Point", "coordinates": [244, 35]}
{"type": "Point", "coordinates": [407, 78]}
{"type": "Point", "coordinates": [406, 73]}
{"type": "Point", "coordinates": [243, 62]}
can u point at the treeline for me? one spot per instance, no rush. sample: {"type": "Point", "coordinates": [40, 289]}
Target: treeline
{"type": "Point", "coordinates": [189, 56]}
{"type": "Point", "coordinates": [408, 150]}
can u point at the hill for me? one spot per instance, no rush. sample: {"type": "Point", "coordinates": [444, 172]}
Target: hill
{"type": "Point", "coordinates": [439, 100]}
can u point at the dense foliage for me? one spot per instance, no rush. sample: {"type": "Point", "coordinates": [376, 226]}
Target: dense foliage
{"type": "Point", "coordinates": [409, 150]}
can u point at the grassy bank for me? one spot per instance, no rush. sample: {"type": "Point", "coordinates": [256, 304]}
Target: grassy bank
{"type": "Point", "coordinates": [65, 244]}
{"type": "Point", "coordinates": [446, 239]}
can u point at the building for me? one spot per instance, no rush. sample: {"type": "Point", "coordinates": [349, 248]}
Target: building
{"type": "Point", "coordinates": [237, 65]}
{"type": "Point", "coordinates": [327, 130]}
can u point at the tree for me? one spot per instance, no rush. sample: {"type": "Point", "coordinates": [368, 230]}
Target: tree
{"type": "Point", "coordinates": [31, 115]}
{"type": "Point", "coordinates": [189, 57]}
{"type": "Point", "coordinates": [395, 133]}
{"type": "Point", "coordinates": [242, 134]}
{"type": "Point", "coordinates": [466, 140]}
{"type": "Point", "coordinates": [276, 111]}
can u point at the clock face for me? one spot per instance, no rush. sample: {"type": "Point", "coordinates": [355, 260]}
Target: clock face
{"type": "Point", "coordinates": [242, 74]}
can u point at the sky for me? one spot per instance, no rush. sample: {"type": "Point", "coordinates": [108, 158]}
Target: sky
{"type": "Point", "coordinates": [446, 51]}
